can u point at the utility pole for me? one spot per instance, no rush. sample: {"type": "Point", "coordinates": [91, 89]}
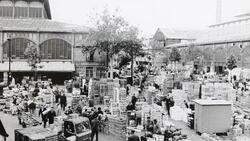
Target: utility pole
{"type": "Point", "coordinates": [9, 54]}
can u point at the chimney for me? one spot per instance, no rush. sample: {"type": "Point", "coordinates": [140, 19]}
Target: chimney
{"type": "Point", "coordinates": [218, 11]}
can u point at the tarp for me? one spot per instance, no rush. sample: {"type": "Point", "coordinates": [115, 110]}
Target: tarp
{"type": "Point", "coordinates": [2, 130]}
{"type": "Point", "coordinates": [44, 67]}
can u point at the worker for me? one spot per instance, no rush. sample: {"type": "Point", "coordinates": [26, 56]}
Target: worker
{"type": "Point", "coordinates": [156, 127]}
{"type": "Point", "coordinates": [44, 116]}
{"type": "Point", "coordinates": [51, 115]}
{"type": "Point", "coordinates": [133, 100]}
{"type": "Point", "coordinates": [100, 111]}
{"type": "Point", "coordinates": [63, 101]}
{"type": "Point", "coordinates": [95, 127]}
{"type": "Point", "coordinates": [130, 107]}
{"type": "Point", "coordinates": [133, 137]}
{"type": "Point", "coordinates": [69, 111]}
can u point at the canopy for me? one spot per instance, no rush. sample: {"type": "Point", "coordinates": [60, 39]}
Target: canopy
{"type": "Point", "coordinates": [45, 67]}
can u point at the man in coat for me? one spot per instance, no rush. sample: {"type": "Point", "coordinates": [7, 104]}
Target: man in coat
{"type": "Point", "coordinates": [95, 123]}
{"type": "Point", "coordinates": [63, 101]}
{"type": "Point", "coordinates": [133, 137]}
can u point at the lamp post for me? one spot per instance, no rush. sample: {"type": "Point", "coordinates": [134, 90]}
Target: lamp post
{"type": "Point", "coordinates": [9, 54]}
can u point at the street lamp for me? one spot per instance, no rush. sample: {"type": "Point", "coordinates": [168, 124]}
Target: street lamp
{"type": "Point", "coordinates": [9, 54]}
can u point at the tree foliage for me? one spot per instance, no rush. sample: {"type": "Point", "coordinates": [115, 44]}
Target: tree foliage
{"type": "Point", "coordinates": [175, 56]}
{"type": "Point", "coordinates": [124, 61]}
{"type": "Point", "coordinates": [231, 62]}
{"type": "Point", "coordinates": [33, 56]}
{"type": "Point", "coordinates": [107, 34]}
{"type": "Point", "coordinates": [112, 35]}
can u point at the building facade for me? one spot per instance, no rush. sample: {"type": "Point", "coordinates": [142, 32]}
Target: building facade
{"type": "Point", "coordinates": [214, 46]}
{"type": "Point", "coordinates": [28, 22]}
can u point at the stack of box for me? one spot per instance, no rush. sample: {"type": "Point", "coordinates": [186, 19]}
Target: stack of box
{"type": "Point", "coordinates": [246, 126]}
{"type": "Point", "coordinates": [179, 96]}
{"type": "Point", "coordinates": [75, 101]}
{"type": "Point", "coordinates": [192, 89]}
{"type": "Point", "coordinates": [110, 89]}
{"type": "Point", "coordinates": [117, 127]}
{"type": "Point", "coordinates": [123, 83]}
{"type": "Point", "coordinates": [115, 109]}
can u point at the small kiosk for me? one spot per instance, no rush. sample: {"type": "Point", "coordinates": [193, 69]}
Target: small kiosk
{"type": "Point", "coordinates": [212, 116]}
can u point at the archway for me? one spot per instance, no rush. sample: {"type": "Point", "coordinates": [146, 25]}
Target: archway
{"type": "Point", "coordinates": [55, 49]}
{"type": "Point", "coordinates": [18, 46]}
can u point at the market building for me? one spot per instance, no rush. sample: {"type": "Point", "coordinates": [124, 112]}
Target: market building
{"type": "Point", "coordinates": [29, 22]}
{"type": "Point", "coordinates": [213, 46]}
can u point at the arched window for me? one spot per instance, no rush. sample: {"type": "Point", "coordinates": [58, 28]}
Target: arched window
{"type": "Point", "coordinates": [18, 46]}
{"type": "Point", "coordinates": [55, 49]}
{"type": "Point", "coordinates": [36, 10]}
{"type": "Point", "coordinates": [6, 9]}
{"type": "Point", "coordinates": [21, 9]}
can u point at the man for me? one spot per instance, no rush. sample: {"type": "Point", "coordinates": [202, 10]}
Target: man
{"type": "Point", "coordinates": [133, 137]}
{"type": "Point", "coordinates": [44, 116]}
{"type": "Point", "coordinates": [156, 127]}
{"type": "Point", "coordinates": [100, 111]}
{"type": "Point", "coordinates": [63, 101]}
{"type": "Point", "coordinates": [57, 94]}
{"type": "Point", "coordinates": [130, 107]}
{"type": "Point", "coordinates": [168, 104]}
{"type": "Point", "coordinates": [95, 127]}
{"type": "Point", "coordinates": [134, 100]}
{"type": "Point", "coordinates": [51, 115]}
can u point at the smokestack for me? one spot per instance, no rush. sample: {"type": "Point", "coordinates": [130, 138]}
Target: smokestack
{"type": "Point", "coordinates": [218, 11]}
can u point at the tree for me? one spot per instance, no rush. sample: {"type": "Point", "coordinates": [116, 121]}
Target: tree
{"type": "Point", "coordinates": [107, 34]}
{"type": "Point", "coordinates": [231, 62]}
{"type": "Point", "coordinates": [124, 60]}
{"type": "Point", "coordinates": [133, 49]}
{"type": "Point", "coordinates": [113, 35]}
{"type": "Point", "coordinates": [175, 56]}
{"type": "Point", "coordinates": [33, 58]}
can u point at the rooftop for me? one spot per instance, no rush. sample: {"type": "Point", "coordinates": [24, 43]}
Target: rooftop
{"type": "Point", "coordinates": [179, 34]}
{"type": "Point", "coordinates": [232, 31]}
{"type": "Point", "coordinates": [41, 25]}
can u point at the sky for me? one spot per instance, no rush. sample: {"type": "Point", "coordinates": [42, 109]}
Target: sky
{"type": "Point", "coordinates": [148, 15]}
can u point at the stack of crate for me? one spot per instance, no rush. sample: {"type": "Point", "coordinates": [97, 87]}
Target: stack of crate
{"type": "Point", "coordinates": [123, 83]}
{"type": "Point", "coordinates": [110, 89]}
{"type": "Point", "coordinates": [122, 94]}
{"type": "Point", "coordinates": [75, 101]}
{"type": "Point", "coordinates": [117, 127]}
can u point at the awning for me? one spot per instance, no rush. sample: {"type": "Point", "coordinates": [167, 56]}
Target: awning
{"type": "Point", "coordinates": [45, 67]}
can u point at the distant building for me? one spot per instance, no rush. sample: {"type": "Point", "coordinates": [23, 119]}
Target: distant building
{"type": "Point", "coordinates": [212, 47]}
{"type": "Point", "coordinates": [28, 22]}
{"type": "Point", "coordinates": [165, 37]}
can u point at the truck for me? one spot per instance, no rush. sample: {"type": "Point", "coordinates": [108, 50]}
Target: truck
{"type": "Point", "coordinates": [77, 129]}
{"type": "Point", "coordinates": [73, 129]}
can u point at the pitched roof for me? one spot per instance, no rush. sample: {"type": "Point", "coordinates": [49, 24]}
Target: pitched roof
{"type": "Point", "coordinates": [180, 34]}
{"type": "Point", "coordinates": [42, 25]}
